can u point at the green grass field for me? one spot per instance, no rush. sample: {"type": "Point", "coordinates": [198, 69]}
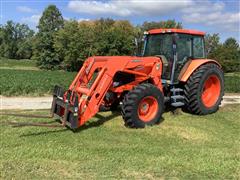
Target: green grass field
{"type": "Point", "coordinates": [181, 147]}
{"type": "Point", "coordinates": [23, 78]}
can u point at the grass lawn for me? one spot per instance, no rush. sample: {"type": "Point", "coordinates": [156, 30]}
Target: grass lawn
{"type": "Point", "coordinates": [182, 146]}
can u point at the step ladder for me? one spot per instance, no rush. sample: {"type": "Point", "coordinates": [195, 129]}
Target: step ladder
{"type": "Point", "coordinates": [177, 97]}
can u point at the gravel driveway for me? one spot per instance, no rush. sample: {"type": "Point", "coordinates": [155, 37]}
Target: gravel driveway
{"type": "Point", "coordinates": [45, 102]}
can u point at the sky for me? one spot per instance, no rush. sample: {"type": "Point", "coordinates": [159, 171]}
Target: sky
{"type": "Point", "coordinates": [210, 16]}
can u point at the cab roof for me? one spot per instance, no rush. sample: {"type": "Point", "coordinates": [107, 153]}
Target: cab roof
{"type": "Point", "coordinates": [183, 31]}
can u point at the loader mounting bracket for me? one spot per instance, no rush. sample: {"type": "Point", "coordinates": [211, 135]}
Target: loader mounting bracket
{"type": "Point", "coordinates": [65, 107]}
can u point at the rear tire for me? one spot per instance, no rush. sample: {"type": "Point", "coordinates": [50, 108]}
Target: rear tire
{"type": "Point", "coordinates": [142, 106]}
{"type": "Point", "coordinates": [204, 90]}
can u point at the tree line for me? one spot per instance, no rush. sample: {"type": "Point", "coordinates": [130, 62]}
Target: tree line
{"type": "Point", "coordinates": [65, 44]}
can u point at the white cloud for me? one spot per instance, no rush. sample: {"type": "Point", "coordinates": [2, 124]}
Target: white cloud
{"type": "Point", "coordinates": [211, 14]}
{"type": "Point", "coordinates": [83, 19]}
{"type": "Point", "coordinates": [127, 8]}
{"type": "Point", "coordinates": [203, 6]}
{"type": "Point", "coordinates": [34, 19]}
{"type": "Point", "coordinates": [26, 9]}
{"type": "Point", "coordinates": [66, 18]}
{"type": "Point", "coordinates": [207, 13]}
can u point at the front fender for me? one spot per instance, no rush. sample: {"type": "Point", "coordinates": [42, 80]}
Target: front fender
{"type": "Point", "coordinates": [191, 66]}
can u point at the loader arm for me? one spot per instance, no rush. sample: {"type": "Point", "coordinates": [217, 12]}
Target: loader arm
{"type": "Point", "coordinates": [87, 91]}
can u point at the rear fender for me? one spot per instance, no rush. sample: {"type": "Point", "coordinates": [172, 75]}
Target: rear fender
{"type": "Point", "coordinates": [191, 66]}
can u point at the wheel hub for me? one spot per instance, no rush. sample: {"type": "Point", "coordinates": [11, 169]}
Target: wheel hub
{"type": "Point", "coordinates": [211, 91]}
{"type": "Point", "coordinates": [147, 108]}
{"type": "Point", "coordinates": [144, 108]}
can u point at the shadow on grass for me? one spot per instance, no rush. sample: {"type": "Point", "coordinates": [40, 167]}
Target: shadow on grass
{"type": "Point", "coordinates": [173, 110]}
{"type": "Point", "coordinates": [43, 133]}
{"type": "Point", "coordinates": [25, 115]}
{"type": "Point", "coordinates": [101, 120]}
{"type": "Point", "coordinates": [91, 124]}
{"type": "Point", "coordinates": [15, 124]}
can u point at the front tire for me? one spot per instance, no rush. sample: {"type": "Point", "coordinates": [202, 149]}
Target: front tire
{"type": "Point", "coordinates": [142, 106]}
{"type": "Point", "coordinates": [204, 90]}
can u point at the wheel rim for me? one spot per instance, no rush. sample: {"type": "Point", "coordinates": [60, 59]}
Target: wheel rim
{"type": "Point", "coordinates": [211, 91]}
{"type": "Point", "coordinates": [147, 108]}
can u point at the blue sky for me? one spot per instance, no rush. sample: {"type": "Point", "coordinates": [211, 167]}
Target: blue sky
{"type": "Point", "coordinates": [211, 16]}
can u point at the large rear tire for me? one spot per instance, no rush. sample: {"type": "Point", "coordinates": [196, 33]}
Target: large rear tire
{"type": "Point", "coordinates": [142, 106]}
{"type": "Point", "coordinates": [204, 90]}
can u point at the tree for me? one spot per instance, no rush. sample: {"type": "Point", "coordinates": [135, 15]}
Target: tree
{"type": "Point", "coordinates": [13, 38]}
{"type": "Point", "coordinates": [212, 42]}
{"type": "Point", "coordinates": [44, 52]}
{"type": "Point", "coordinates": [231, 43]}
{"type": "Point", "coordinates": [123, 34]}
{"type": "Point", "coordinates": [103, 36]}
{"type": "Point", "coordinates": [230, 55]}
{"type": "Point", "coordinates": [25, 49]}
{"type": "Point", "coordinates": [227, 54]}
{"type": "Point", "coordinates": [113, 37]}
{"type": "Point", "coordinates": [161, 24]}
{"type": "Point", "coordinates": [77, 41]}
{"type": "Point", "coordinates": [73, 43]}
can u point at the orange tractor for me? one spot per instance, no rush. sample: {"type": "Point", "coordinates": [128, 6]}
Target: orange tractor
{"type": "Point", "coordinates": [172, 70]}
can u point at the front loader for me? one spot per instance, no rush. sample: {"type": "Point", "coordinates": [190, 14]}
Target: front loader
{"type": "Point", "coordinates": [171, 71]}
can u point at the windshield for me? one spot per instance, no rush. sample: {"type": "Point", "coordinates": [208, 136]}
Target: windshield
{"type": "Point", "coordinates": [187, 47]}
{"type": "Point", "coordinates": [159, 44]}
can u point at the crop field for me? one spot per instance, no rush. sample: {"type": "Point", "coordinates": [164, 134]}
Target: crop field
{"type": "Point", "coordinates": [232, 82]}
{"type": "Point", "coordinates": [23, 78]}
{"type": "Point", "coordinates": [34, 83]}
{"type": "Point", "coordinates": [183, 146]}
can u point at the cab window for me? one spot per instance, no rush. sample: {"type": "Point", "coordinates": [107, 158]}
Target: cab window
{"type": "Point", "coordinates": [184, 47]}
{"type": "Point", "coordinates": [159, 44]}
{"type": "Point", "coordinates": [198, 47]}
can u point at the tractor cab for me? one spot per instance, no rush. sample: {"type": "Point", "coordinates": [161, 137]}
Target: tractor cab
{"type": "Point", "coordinates": [175, 47]}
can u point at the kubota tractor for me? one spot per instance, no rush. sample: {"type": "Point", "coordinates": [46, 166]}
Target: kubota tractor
{"type": "Point", "coordinates": [171, 71]}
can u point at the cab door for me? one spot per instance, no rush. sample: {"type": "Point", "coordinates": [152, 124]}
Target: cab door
{"type": "Point", "coordinates": [161, 45]}
{"type": "Point", "coordinates": [188, 47]}
{"type": "Point", "coordinates": [183, 52]}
